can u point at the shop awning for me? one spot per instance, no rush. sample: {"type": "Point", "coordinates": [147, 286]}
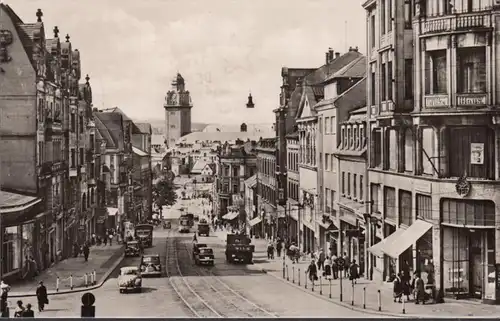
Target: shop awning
{"type": "Point", "coordinates": [254, 221]}
{"type": "Point", "coordinates": [410, 236]}
{"type": "Point", "coordinates": [138, 152]}
{"type": "Point", "coordinates": [377, 249]}
{"type": "Point", "coordinates": [112, 211]}
{"type": "Point", "coordinates": [327, 225]}
{"type": "Point", "coordinates": [230, 216]}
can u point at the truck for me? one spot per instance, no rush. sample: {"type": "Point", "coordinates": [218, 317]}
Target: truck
{"type": "Point", "coordinates": [144, 233]}
{"type": "Point", "coordinates": [239, 249]}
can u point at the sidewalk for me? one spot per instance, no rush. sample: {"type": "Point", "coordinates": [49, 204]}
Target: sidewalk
{"type": "Point", "coordinates": [103, 260]}
{"type": "Point", "coordinates": [451, 307]}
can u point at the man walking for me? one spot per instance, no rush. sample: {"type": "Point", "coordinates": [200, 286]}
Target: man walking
{"type": "Point", "coordinates": [41, 296]}
{"type": "Point", "coordinates": [86, 252]}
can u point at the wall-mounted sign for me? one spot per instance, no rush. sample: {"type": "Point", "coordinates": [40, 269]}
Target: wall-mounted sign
{"type": "Point", "coordinates": [477, 153]}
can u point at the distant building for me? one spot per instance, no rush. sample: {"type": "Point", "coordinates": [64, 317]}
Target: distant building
{"type": "Point", "coordinates": [177, 106]}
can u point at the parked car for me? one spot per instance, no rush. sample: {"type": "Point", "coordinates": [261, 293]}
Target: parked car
{"type": "Point", "coordinates": [205, 255]}
{"type": "Point", "coordinates": [130, 279]}
{"type": "Point", "coordinates": [151, 265]}
{"type": "Point", "coordinates": [132, 248]}
{"type": "Point", "coordinates": [196, 248]}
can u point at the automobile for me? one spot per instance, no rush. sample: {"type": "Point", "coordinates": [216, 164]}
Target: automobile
{"type": "Point", "coordinates": [196, 247]}
{"type": "Point", "coordinates": [203, 221]}
{"type": "Point", "coordinates": [205, 255]}
{"type": "Point", "coordinates": [203, 229]}
{"type": "Point", "coordinates": [167, 225]}
{"type": "Point", "coordinates": [132, 248]}
{"type": "Point", "coordinates": [196, 218]}
{"type": "Point", "coordinates": [150, 265]}
{"type": "Point", "coordinates": [130, 279]}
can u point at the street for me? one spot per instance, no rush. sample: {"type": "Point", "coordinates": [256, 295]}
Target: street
{"type": "Point", "coordinates": [225, 290]}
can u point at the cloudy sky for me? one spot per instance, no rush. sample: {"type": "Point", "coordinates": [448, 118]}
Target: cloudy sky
{"type": "Point", "coordinates": [223, 48]}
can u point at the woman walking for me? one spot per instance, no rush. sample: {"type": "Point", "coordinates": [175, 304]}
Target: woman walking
{"type": "Point", "coordinates": [397, 288]}
{"type": "Point", "coordinates": [312, 271]}
{"type": "Point", "coordinates": [327, 271]}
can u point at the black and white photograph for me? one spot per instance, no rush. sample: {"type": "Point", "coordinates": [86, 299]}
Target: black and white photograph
{"type": "Point", "coordinates": [249, 159]}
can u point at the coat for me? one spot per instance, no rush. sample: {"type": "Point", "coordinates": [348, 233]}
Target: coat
{"type": "Point", "coordinates": [419, 289]}
{"type": "Point", "coordinates": [41, 294]}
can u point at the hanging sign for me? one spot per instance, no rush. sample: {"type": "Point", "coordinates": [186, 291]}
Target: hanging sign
{"type": "Point", "coordinates": [477, 153]}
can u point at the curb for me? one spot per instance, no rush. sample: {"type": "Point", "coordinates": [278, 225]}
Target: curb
{"type": "Point", "coordinates": [348, 306]}
{"type": "Point", "coordinates": [101, 282]}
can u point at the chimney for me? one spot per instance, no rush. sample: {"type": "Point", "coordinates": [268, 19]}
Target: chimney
{"type": "Point", "coordinates": [327, 57]}
{"type": "Point", "coordinates": [353, 49]}
{"type": "Point", "coordinates": [337, 54]}
{"type": "Point", "coordinates": [330, 52]}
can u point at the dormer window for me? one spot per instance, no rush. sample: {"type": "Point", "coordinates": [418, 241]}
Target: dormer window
{"type": "Point", "coordinates": [356, 137]}
{"type": "Point", "coordinates": [349, 136]}
{"type": "Point", "coordinates": [343, 143]}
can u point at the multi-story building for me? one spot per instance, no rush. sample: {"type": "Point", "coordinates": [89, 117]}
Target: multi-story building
{"type": "Point", "coordinates": [235, 163]}
{"type": "Point", "coordinates": [433, 132]}
{"type": "Point", "coordinates": [252, 216]}
{"type": "Point", "coordinates": [177, 106]}
{"type": "Point", "coordinates": [293, 184]}
{"type": "Point", "coordinates": [142, 178]}
{"type": "Point", "coordinates": [266, 190]}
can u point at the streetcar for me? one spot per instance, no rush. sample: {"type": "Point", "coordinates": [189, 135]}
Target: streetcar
{"type": "Point", "coordinates": [184, 225]}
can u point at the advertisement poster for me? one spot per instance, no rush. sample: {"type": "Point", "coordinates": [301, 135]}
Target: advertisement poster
{"type": "Point", "coordinates": [477, 153]}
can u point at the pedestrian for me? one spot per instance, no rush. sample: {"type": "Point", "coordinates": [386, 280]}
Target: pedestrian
{"type": "Point", "coordinates": [353, 272]}
{"type": "Point", "coordinates": [321, 259]}
{"type": "Point", "coordinates": [110, 239]}
{"type": "Point", "coordinates": [346, 264]}
{"type": "Point", "coordinates": [312, 271]}
{"type": "Point", "coordinates": [76, 249]}
{"type": "Point", "coordinates": [327, 270]}
{"type": "Point", "coordinates": [41, 296]}
{"type": "Point", "coordinates": [86, 252]}
{"type": "Point", "coordinates": [397, 288]}
{"type": "Point", "coordinates": [419, 289]}
{"type": "Point", "coordinates": [405, 280]}
{"type": "Point", "coordinates": [270, 250]}
{"type": "Point", "coordinates": [28, 313]}
{"type": "Point", "coordinates": [5, 288]}
{"type": "Point", "coordinates": [279, 247]}
{"type": "Point", "coordinates": [335, 267]}
{"type": "Point", "coordinates": [18, 313]}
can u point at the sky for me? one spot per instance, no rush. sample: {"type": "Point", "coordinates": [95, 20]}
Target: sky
{"type": "Point", "coordinates": [223, 48]}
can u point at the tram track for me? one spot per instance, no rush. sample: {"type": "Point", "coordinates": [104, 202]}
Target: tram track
{"type": "Point", "coordinates": [204, 293]}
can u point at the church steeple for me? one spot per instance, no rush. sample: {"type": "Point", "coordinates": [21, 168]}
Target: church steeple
{"type": "Point", "coordinates": [250, 103]}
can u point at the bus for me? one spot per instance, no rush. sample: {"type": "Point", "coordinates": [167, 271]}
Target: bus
{"type": "Point", "coordinates": [184, 225]}
{"type": "Point", "coordinates": [144, 232]}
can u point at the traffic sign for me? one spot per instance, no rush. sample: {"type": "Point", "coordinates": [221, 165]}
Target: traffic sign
{"type": "Point", "coordinates": [88, 299]}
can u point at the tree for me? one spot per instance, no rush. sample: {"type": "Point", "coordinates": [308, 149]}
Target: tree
{"type": "Point", "coordinates": [164, 193]}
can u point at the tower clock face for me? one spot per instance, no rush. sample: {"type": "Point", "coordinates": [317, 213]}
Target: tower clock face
{"type": "Point", "coordinates": [174, 98]}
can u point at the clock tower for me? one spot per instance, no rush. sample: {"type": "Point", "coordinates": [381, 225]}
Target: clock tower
{"type": "Point", "coordinates": [177, 106]}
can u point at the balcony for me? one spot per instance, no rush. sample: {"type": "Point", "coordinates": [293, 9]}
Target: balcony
{"type": "Point", "coordinates": [457, 22]}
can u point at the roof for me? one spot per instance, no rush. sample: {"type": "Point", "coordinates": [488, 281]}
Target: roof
{"type": "Point", "coordinates": [117, 110]}
{"type": "Point", "coordinates": [358, 115]}
{"type": "Point", "coordinates": [198, 166]}
{"type": "Point", "coordinates": [139, 152]}
{"type": "Point", "coordinates": [12, 202]}
{"type": "Point", "coordinates": [110, 126]}
{"type": "Point", "coordinates": [212, 167]}
{"type": "Point", "coordinates": [322, 73]}
{"type": "Point", "coordinates": [220, 136]}
{"type": "Point", "coordinates": [294, 134]}
{"type": "Point", "coordinates": [252, 181]}
{"type": "Point", "coordinates": [355, 69]}
{"type": "Point", "coordinates": [354, 97]}
{"type": "Point", "coordinates": [144, 128]}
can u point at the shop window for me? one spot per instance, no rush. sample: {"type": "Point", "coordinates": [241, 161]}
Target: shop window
{"type": "Point", "coordinates": [425, 258]}
{"type": "Point", "coordinates": [408, 150]}
{"type": "Point", "coordinates": [424, 207]}
{"type": "Point", "coordinates": [390, 203]}
{"type": "Point", "coordinates": [436, 79]}
{"type": "Point", "coordinates": [471, 74]}
{"type": "Point", "coordinates": [405, 208]}
{"type": "Point", "coordinates": [468, 212]}
{"type": "Point", "coordinates": [471, 149]}
{"type": "Point", "coordinates": [11, 256]}
{"type": "Point", "coordinates": [428, 147]}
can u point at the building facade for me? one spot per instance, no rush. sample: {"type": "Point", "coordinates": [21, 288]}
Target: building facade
{"type": "Point", "coordinates": [266, 191]}
{"type": "Point", "coordinates": [142, 171]}
{"type": "Point", "coordinates": [177, 106]}
{"type": "Point", "coordinates": [293, 184]}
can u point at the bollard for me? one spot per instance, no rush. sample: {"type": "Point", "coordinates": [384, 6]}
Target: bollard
{"type": "Point", "coordinates": [298, 275]}
{"type": "Point", "coordinates": [305, 285]}
{"type": "Point", "coordinates": [293, 274]}
{"type": "Point", "coordinates": [404, 310]}
{"type": "Point", "coordinates": [95, 277]}
{"type": "Point", "coordinates": [340, 288]}
{"type": "Point", "coordinates": [352, 294]}
{"type": "Point", "coordinates": [330, 286]}
{"type": "Point", "coordinates": [283, 269]}
{"type": "Point", "coordinates": [57, 284]}
{"type": "Point", "coordinates": [287, 274]}
{"type": "Point", "coordinates": [71, 282]}
{"type": "Point", "coordinates": [364, 298]}
{"type": "Point", "coordinates": [312, 285]}
{"type": "Point", "coordinates": [379, 301]}
{"type": "Point", "coordinates": [320, 285]}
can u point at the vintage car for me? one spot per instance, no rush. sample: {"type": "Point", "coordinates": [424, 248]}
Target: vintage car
{"type": "Point", "coordinates": [132, 248]}
{"type": "Point", "coordinates": [203, 221]}
{"type": "Point", "coordinates": [203, 229]}
{"type": "Point", "coordinates": [167, 225]}
{"type": "Point", "coordinates": [196, 218]}
{"type": "Point", "coordinates": [205, 255]}
{"type": "Point", "coordinates": [196, 248]}
{"type": "Point", "coordinates": [150, 265]}
{"type": "Point", "coordinates": [130, 279]}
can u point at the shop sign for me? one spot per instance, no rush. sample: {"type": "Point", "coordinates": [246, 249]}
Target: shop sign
{"type": "Point", "coordinates": [477, 153]}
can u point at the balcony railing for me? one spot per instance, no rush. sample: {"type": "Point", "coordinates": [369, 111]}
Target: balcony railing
{"type": "Point", "coordinates": [457, 22]}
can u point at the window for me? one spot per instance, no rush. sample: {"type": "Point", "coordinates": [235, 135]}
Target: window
{"type": "Point", "coordinates": [408, 78]}
{"type": "Point", "coordinates": [461, 158]}
{"type": "Point", "coordinates": [11, 259]}
{"type": "Point", "coordinates": [390, 203]}
{"type": "Point", "coordinates": [73, 158]}
{"type": "Point", "coordinates": [408, 150]}
{"type": "Point", "coordinates": [389, 80]}
{"type": "Point", "coordinates": [424, 207]}
{"type": "Point", "coordinates": [428, 151]}
{"type": "Point", "coordinates": [405, 208]}
{"type": "Point", "coordinates": [82, 155]}
{"type": "Point", "coordinates": [361, 191]}
{"type": "Point", "coordinates": [73, 123]}
{"type": "Point", "coordinates": [327, 123]}
{"type": "Point", "coordinates": [356, 137]}
{"type": "Point", "coordinates": [343, 143]}
{"type": "Point", "coordinates": [468, 212]}
{"type": "Point", "coordinates": [471, 74]}
{"type": "Point", "coordinates": [436, 81]}
{"type": "Point", "coordinates": [333, 163]}
{"type": "Point", "coordinates": [392, 150]}
{"type": "Point", "coordinates": [327, 162]}
{"type": "Point", "coordinates": [383, 95]}
{"type": "Point", "coordinates": [389, 16]}
{"type": "Point", "coordinates": [372, 31]}
{"type": "Point", "coordinates": [349, 184]}
{"type": "Point", "coordinates": [373, 86]}
{"type": "Point", "coordinates": [81, 123]}
{"type": "Point", "coordinates": [377, 148]}
{"type": "Point", "coordinates": [343, 183]}
{"type": "Point", "coordinates": [354, 185]}
{"type": "Point", "coordinates": [408, 14]}
{"type": "Point", "coordinates": [349, 138]}
{"type": "Point", "coordinates": [333, 130]}
{"type": "Point", "coordinates": [382, 17]}
{"type": "Point", "coordinates": [374, 191]}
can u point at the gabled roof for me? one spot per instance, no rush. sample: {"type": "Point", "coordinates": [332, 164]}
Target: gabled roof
{"type": "Point", "coordinates": [144, 128]}
{"type": "Point", "coordinates": [354, 97]}
{"type": "Point", "coordinates": [110, 125]}
{"type": "Point", "coordinates": [355, 69]}
{"type": "Point", "coordinates": [322, 73]}
{"type": "Point", "coordinates": [198, 166]}
{"type": "Point", "coordinates": [251, 181]}
{"type": "Point", "coordinates": [117, 110]}
{"type": "Point", "coordinates": [212, 167]}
